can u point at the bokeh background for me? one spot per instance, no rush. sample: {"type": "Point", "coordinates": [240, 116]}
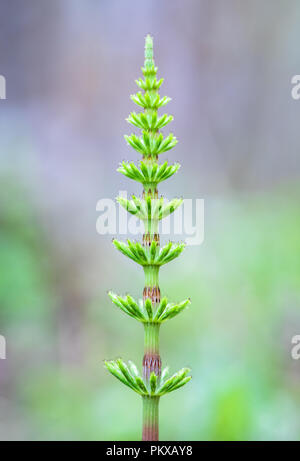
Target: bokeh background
{"type": "Point", "coordinates": [70, 67]}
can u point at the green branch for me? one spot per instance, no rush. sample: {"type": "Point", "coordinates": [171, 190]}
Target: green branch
{"type": "Point", "coordinates": [155, 386]}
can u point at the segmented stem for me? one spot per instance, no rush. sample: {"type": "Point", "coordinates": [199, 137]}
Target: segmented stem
{"type": "Point", "coordinates": [151, 360]}
{"type": "Point", "coordinates": [153, 310]}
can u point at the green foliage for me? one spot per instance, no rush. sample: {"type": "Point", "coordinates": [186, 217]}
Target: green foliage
{"type": "Point", "coordinates": [157, 386]}
{"type": "Point", "coordinates": [149, 83]}
{"type": "Point", "coordinates": [149, 209]}
{"type": "Point", "coordinates": [171, 310]}
{"type": "Point", "coordinates": [149, 100]}
{"type": "Point", "coordinates": [153, 383]}
{"type": "Point", "coordinates": [152, 173]}
{"type": "Point", "coordinates": [150, 145]}
{"type": "Point", "coordinates": [150, 256]}
{"type": "Point", "coordinates": [129, 306]}
{"type": "Point", "coordinates": [147, 311]}
{"type": "Point", "coordinates": [149, 121]}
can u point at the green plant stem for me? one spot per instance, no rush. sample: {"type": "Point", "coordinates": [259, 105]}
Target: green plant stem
{"type": "Point", "coordinates": [151, 364]}
{"type": "Point", "coordinates": [152, 338]}
{"type": "Point", "coordinates": [151, 276]}
{"type": "Point", "coordinates": [150, 418]}
{"type": "Point", "coordinates": [151, 227]}
{"type": "Point", "coordinates": [151, 361]}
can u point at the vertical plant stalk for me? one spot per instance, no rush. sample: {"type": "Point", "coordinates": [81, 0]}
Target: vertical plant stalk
{"type": "Point", "coordinates": [152, 310]}
{"type": "Point", "coordinates": [151, 364]}
{"type": "Point", "coordinates": [150, 418]}
{"type": "Point", "coordinates": [151, 360]}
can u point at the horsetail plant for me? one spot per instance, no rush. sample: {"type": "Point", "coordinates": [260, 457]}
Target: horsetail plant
{"type": "Point", "coordinates": [152, 310]}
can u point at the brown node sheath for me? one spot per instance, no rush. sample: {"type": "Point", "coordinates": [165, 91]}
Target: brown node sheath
{"type": "Point", "coordinates": [150, 157]}
{"type": "Point", "coordinates": [152, 293]}
{"type": "Point", "coordinates": [151, 193]}
{"type": "Point", "coordinates": [147, 239]}
{"type": "Point", "coordinates": [151, 363]}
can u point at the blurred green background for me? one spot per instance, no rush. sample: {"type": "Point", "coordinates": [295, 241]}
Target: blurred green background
{"type": "Point", "coordinates": [70, 68]}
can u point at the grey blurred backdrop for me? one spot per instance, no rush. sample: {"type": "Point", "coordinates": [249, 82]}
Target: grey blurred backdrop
{"type": "Point", "coordinates": [70, 67]}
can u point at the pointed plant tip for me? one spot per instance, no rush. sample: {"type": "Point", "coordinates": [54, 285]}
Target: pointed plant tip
{"type": "Point", "coordinates": [149, 38]}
